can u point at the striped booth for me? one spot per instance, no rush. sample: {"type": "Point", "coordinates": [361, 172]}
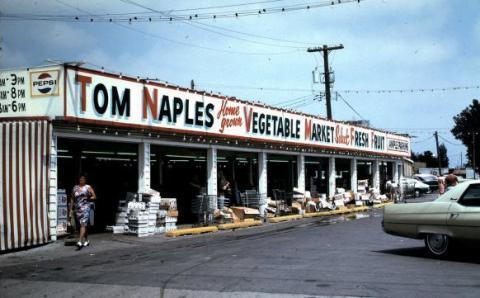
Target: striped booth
{"type": "Point", "coordinates": [24, 152]}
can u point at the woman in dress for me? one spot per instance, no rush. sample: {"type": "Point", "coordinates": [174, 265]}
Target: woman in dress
{"type": "Point", "coordinates": [82, 195]}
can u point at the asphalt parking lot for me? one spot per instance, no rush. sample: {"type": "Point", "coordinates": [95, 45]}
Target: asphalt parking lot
{"type": "Point", "coordinates": [338, 256]}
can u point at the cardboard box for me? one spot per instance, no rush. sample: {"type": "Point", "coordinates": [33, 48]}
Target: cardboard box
{"type": "Point", "coordinates": [296, 207]}
{"type": "Point", "coordinates": [168, 204]}
{"type": "Point", "coordinates": [170, 219]}
{"type": "Point", "coordinates": [244, 212]}
{"type": "Point", "coordinates": [172, 213]}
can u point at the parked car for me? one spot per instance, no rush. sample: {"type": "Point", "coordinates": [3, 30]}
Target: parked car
{"type": "Point", "coordinates": [455, 215]}
{"type": "Point", "coordinates": [412, 188]}
{"type": "Point", "coordinates": [429, 179]}
{"type": "Point", "coordinates": [420, 188]}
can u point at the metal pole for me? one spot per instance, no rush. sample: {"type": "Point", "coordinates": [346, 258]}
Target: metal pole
{"type": "Point", "coordinates": [473, 155]}
{"type": "Point", "coordinates": [438, 155]}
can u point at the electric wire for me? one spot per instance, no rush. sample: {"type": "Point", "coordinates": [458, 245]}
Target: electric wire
{"type": "Point", "coordinates": [152, 35]}
{"type": "Point", "coordinates": [451, 143]}
{"type": "Point", "coordinates": [423, 141]}
{"type": "Point", "coordinates": [357, 91]}
{"type": "Point", "coordinates": [290, 100]}
{"type": "Point", "coordinates": [207, 28]}
{"type": "Point", "coordinates": [350, 106]}
{"type": "Point", "coordinates": [144, 17]}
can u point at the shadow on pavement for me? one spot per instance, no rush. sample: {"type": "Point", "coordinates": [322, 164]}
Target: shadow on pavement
{"type": "Point", "coordinates": [461, 254]}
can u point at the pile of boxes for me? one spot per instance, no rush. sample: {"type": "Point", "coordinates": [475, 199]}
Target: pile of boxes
{"type": "Point", "coordinates": [363, 196]}
{"type": "Point", "coordinates": [62, 212]}
{"type": "Point", "coordinates": [138, 219]}
{"type": "Point", "coordinates": [146, 214]}
{"type": "Point", "coordinates": [168, 214]}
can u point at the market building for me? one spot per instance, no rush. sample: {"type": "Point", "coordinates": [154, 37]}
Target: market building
{"type": "Point", "coordinates": [131, 135]}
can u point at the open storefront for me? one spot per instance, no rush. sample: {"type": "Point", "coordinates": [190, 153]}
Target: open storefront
{"type": "Point", "coordinates": [110, 167]}
{"type": "Point", "coordinates": [132, 135]}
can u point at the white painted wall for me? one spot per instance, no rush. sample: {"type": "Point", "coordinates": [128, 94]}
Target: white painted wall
{"type": "Point", "coordinates": [53, 187]}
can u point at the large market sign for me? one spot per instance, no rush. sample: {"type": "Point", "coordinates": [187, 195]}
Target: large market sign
{"type": "Point", "coordinates": [106, 98]}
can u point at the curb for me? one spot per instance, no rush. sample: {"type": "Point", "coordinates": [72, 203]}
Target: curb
{"type": "Point", "coordinates": [246, 224]}
{"type": "Point", "coordinates": [379, 206]}
{"type": "Point", "coordinates": [191, 231]}
{"type": "Point", "coordinates": [284, 218]}
{"type": "Point", "coordinates": [239, 225]}
{"type": "Point", "coordinates": [336, 212]}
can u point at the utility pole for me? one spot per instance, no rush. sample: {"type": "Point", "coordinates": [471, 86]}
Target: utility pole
{"type": "Point", "coordinates": [438, 154]}
{"type": "Point", "coordinates": [326, 49]}
{"type": "Point", "coordinates": [473, 154]}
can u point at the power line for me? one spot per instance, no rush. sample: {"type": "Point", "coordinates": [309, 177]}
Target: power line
{"type": "Point", "coordinates": [204, 47]}
{"type": "Point", "coordinates": [378, 91]}
{"type": "Point", "coordinates": [350, 106]}
{"type": "Point", "coordinates": [201, 27]}
{"type": "Point", "coordinates": [152, 17]}
{"type": "Point", "coordinates": [412, 90]}
{"type": "Point", "coordinates": [281, 103]}
{"type": "Point", "coordinates": [423, 141]}
{"type": "Point", "coordinates": [451, 143]}
{"type": "Point", "coordinates": [152, 35]}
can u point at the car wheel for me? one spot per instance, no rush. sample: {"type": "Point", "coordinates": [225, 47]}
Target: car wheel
{"type": "Point", "coordinates": [417, 193]}
{"type": "Point", "coordinates": [437, 244]}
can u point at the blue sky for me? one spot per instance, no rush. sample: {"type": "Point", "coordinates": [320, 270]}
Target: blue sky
{"type": "Point", "coordinates": [389, 44]}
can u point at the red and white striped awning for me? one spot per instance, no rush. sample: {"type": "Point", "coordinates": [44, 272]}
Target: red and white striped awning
{"type": "Point", "coordinates": [24, 153]}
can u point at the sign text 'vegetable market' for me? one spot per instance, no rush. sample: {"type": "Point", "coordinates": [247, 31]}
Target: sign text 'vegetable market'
{"type": "Point", "coordinates": [98, 97]}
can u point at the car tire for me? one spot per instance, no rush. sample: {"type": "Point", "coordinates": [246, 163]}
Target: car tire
{"type": "Point", "coordinates": [417, 194]}
{"type": "Point", "coordinates": [438, 245]}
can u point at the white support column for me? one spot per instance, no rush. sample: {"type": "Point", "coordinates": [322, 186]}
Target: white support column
{"type": "Point", "coordinates": [376, 174]}
{"type": "Point", "coordinates": [301, 172]}
{"type": "Point", "coordinates": [212, 171]}
{"type": "Point", "coordinates": [396, 174]}
{"type": "Point", "coordinates": [400, 169]}
{"type": "Point", "coordinates": [332, 185]}
{"type": "Point", "coordinates": [262, 181]}
{"type": "Point", "coordinates": [52, 194]}
{"type": "Point", "coordinates": [353, 175]}
{"type": "Point", "coordinates": [143, 167]}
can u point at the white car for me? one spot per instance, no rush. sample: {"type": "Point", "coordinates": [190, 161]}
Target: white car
{"type": "Point", "coordinates": [455, 215]}
{"type": "Point", "coordinates": [413, 187]}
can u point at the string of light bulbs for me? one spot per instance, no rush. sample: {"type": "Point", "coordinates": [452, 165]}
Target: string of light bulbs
{"type": "Point", "coordinates": [155, 17]}
{"type": "Point", "coordinates": [355, 91]}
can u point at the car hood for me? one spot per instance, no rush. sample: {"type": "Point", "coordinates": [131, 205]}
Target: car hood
{"type": "Point", "coordinates": [409, 208]}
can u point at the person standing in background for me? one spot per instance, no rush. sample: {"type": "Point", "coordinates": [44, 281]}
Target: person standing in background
{"type": "Point", "coordinates": [451, 180]}
{"type": "Point", "coordinates": [441, 185]}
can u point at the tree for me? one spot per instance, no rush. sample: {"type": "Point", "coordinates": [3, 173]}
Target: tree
{"type": "Point", "coordinates": [442, 154]}
{"type": "Point", "coordinates": [430, 160]}
{"type": "Point", "coordinates": [467, 127]}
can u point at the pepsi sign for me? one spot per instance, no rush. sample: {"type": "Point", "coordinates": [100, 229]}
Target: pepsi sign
{"type": "Point", "coordinates": [44, 83]}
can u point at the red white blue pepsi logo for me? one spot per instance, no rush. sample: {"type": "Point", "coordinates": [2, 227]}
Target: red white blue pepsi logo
{"type": "Point", "coordinates": [44, 83]}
